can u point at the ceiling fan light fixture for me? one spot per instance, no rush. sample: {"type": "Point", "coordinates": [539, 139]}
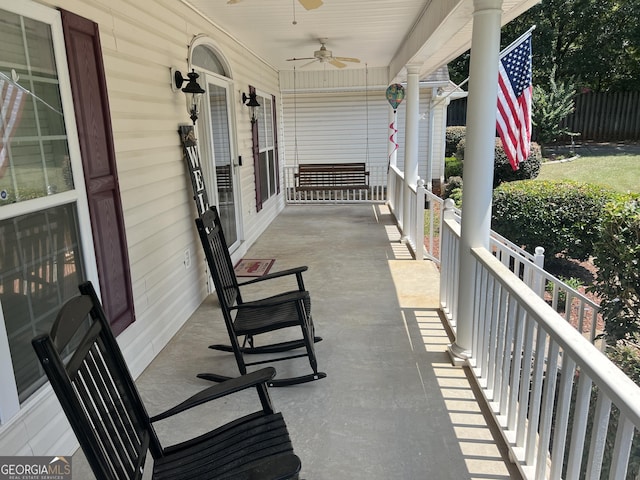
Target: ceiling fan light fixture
{"type": "Point", "coordinates": [325, 56]}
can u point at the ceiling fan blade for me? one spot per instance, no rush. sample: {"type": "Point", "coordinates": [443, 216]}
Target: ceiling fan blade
{"type": "Point", "coordinates": [310, 4]}
{"type": "Point", "coordinates": [231, 2]}
{"type": "Point", "coordinates": [303, 58]}
{"type": "Point", "coordinates": [337, 63]}
{"type": "Point", "coordinates": [347, 59]}
{"type": "Point", "coordinates": [307, 64]}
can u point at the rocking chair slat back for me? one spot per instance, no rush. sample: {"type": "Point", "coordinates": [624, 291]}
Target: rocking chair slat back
{"type": "Point", "coordinates": [88, 373]}
{"type": "Point", "coordinates": [246, 320]}
{"type": "Point", "coordinates": [96, 390]}
{"type": "Point", "coordinates": [223, 275]}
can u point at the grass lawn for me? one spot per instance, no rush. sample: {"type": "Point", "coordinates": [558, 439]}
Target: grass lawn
{"type": "Point", "coordinates": [620, 172]}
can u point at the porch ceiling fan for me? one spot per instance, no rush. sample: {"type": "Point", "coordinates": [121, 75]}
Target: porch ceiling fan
{"type": "Point", "coordinates": [325, 56]}
{"type": "Point", "coordinates": [308, 4]}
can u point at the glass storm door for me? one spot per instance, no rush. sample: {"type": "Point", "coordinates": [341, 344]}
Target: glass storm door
{"type": "Point", "coordinates": [220, 157]}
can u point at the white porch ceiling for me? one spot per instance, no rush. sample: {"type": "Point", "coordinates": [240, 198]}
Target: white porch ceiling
{"type": "Point", "coordinates": [381, 33]}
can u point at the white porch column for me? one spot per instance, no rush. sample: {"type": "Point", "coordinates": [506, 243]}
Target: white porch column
{"type": "Point", "coordinates": [478, 161]}
{"type": "Point", "coordinates": [412, 99]}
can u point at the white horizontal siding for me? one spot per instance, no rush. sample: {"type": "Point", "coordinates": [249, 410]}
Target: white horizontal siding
{"type": "Point", "coordinates": [348, 126]}
{"type": "Point", "coordinates": [333, 78]}
{"type": "Point", "coordinates": [140, 44]}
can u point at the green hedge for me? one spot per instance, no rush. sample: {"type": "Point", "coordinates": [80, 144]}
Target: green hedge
{"type": "Point", "coordinates": [452, 136]}
{"type": "Point", "coordinates": [562, 217]}
{"type": "Point", "coordinates": [617, 256]}
{"type": "Point", "coordinates": [502, 171]}
{"type": "Point", "coordinates": [452, 168]}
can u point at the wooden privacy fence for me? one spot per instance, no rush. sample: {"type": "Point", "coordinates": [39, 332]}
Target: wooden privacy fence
{"type": "Point", "coordinates": [598, 116]}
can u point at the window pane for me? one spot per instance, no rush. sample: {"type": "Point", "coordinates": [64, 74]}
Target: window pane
{"type": "Point", "coordinates": [40, 48]}
{"type": "Point", "coordinates": [12, 40]}
{"type": "Point", "coordinates": [262, 122]}
{"type": "Point", "coordinates": [272, 173]}
{"type": "Point", "coordinates": [41, 267]}
{"type": "Point", "coordinates": [268, 122]}
{"type": "Point", "coordinates": [34, 158]}
{"type": "Point", "coordinates": [205, 58]}
{"type": "Point", "coordinates": [36, 169]}
{"type": "Point", "coordinates": [264, 175]}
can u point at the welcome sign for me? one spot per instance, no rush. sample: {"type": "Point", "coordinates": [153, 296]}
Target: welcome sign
{"type": "Point", "coordinates": [191, 156]}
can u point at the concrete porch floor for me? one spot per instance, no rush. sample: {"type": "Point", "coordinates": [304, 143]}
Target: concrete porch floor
{"type": "Point", "coordinates": [392, 405]}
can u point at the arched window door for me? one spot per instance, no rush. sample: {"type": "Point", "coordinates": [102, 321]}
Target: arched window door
{"type": "Point", "coordinates": [216, 139]}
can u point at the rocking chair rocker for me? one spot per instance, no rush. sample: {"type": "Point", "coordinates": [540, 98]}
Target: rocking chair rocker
{"type": "Point", "coordinates": [99, 397]}
{"type": "Point", "coordinates": [246, 320]}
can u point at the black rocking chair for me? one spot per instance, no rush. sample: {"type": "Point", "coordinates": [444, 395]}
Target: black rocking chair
{"type": "Point", "coordinates": [246, 320]}
{"type": "Point", "coordinates": [90, 377]}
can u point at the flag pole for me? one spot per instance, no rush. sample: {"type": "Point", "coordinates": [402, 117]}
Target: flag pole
{"type": "Point", "coordinates": [506, 50]}
{"type": "Point", "coordinates": [513, 44]}
{"type": "Point", "coordinates": [14, 82]}
{"type": "Point", "coordinates": [442, 99]}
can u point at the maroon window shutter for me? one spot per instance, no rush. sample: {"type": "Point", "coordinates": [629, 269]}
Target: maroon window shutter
{"type": "Point", "coordinates": [255, 149]}
{"type": "Point", "coordinates": [276, 158]}
{"type": "Point", "coordinates": [91, 106]}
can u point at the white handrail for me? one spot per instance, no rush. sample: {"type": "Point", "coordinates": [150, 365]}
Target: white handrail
{"type": "Point", "coordinates": [528, 362]}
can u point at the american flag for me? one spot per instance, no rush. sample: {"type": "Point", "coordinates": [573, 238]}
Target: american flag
{"type": "Point", "coordinates": [12, 99]}
{"type": "Point", "coordinates": [514, 101]}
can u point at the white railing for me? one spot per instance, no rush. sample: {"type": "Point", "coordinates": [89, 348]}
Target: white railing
{"type": "Point", "coordinates": [395, 195]}
{"type": "Point", "coordinates": [411, 223]}
{"type": "Point", "coordinates": [377, 192]}
{"type": "Point", "coordinates": [577, 309]}
{"type": "Point", "coordinates": [565, 410]}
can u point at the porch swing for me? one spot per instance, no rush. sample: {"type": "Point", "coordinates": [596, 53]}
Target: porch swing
{"type": "Point", "coordinates": [328, 179]}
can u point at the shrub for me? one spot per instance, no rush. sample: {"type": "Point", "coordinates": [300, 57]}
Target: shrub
{"type": "Point", "coordinates": [551, 107]}
{"type": "Point", "coordinates": [452, 167]}
{"type": "Point", "coordinates": [529, 169]}
{"type": "Point", "coordinates": [562, 217]}
{"type": "Point", "coordinates": [452, 184]}
{"type": "Point", "coordinates": [617, 256]}
{"type": "Point", "coordinates": [572, 282]}
{"type": "Point", "coordinates": [502, 171]}
{"type": "Point", "coordinates": [456, 196]}
{"type": "Point", "coordinates": [627, 359]}
{"type": "Point", "coordinates": [452, 136]}
{"type": "Point", "coordinates": [459, 152]}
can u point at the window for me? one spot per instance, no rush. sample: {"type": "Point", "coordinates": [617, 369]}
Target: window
{"type": "Point", "coordinates": [41, 259]}
{"type": "Point", "coordinates": [267, 151]}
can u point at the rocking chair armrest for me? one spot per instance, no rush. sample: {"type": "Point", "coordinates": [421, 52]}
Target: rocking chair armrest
{"type": "Point", "coordinates": [281, 273]}
{"type": "Point", "coordinates": [283, 298]}
{"type": "Point", "coordinates": [219, 390]}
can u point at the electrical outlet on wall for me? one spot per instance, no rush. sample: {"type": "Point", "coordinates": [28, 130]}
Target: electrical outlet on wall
{"type": "Point", "coordinates": [187, 258]}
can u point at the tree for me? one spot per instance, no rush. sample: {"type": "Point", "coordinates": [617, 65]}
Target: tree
{"type": "Point", "coordinates": [594, 43]}
{"type": "Point", "coordinates": [550, 107]}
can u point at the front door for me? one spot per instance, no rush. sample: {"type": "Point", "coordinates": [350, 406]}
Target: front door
{"type": "Point", "coordinates": [218, 155]}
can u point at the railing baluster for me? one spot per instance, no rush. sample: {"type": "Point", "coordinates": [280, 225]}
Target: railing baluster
{"type": "Point", "coordinates": [567, 371]}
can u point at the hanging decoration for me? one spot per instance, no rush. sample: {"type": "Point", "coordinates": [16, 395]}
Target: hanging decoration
{"type": "Point", "coordinates": [395, 95]}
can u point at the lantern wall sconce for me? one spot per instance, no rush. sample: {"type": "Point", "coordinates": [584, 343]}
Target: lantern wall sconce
{"type": "Point", "coordinates": [193, 92]}
{"type": "Point", "coordinates": [252, 102]}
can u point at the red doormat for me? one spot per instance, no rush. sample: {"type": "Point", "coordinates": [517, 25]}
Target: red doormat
{"type": "Point", "coordinates": [253, 267]}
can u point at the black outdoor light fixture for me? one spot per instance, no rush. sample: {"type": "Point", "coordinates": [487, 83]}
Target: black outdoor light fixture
{"type": "Point", "coordinates": [251, 102]}
{"type": "Point", "coordinates": [193, 92]}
